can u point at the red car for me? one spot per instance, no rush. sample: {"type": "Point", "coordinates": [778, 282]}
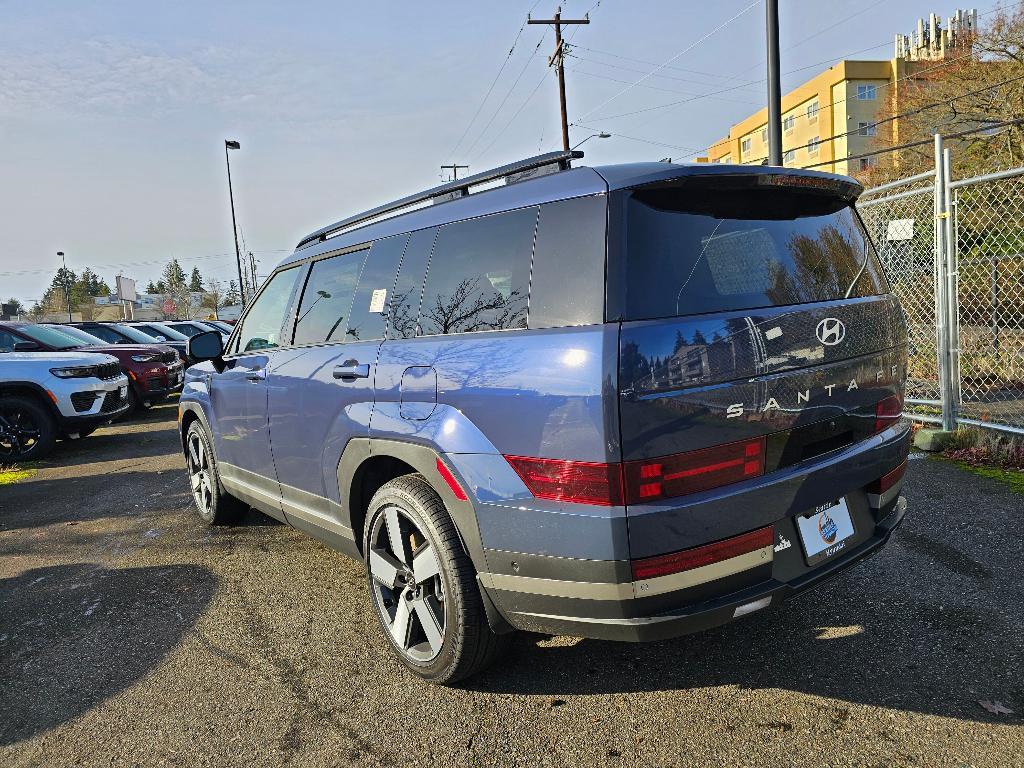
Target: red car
{"type": "Point", "coordinates": [153, 370]}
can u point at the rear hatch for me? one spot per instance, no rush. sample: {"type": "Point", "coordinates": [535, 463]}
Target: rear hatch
{"type": "Point", "coordinates": [757, 334]}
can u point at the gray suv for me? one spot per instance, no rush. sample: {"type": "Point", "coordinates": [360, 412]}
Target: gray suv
{"type": "Point", "coordinates": [624, 402]}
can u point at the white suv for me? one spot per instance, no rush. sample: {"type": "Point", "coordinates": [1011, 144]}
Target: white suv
{"type": "Point", "coordinates": [46, 395]}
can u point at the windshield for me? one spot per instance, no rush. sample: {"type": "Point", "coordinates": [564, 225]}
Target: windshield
{"type": "Point", "coordinates": [159, 329]}
{"type": "Point", "coordinates": [134, 334]}
{"type": "Point", "coordinates": [188, 329]}
{"type": "Point", "coordinates": [697, 250]}
{"type": "Point", "coordinates": [78, 333]}
{"type": "Point", "coordinates": [51, 337]}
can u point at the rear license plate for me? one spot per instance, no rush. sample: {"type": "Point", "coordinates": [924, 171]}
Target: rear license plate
{"type": "Point", "coordinates": [825, 531]}
{"type": "Point", "coordinates": [122, 392]}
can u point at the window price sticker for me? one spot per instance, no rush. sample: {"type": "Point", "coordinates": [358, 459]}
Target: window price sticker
{"type": "Point", "coordinates": [377, 300]}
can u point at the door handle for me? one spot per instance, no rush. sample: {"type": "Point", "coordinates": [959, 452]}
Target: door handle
{"type": "Point", "coordinates": [350, 369]}
{"type": "Point", "coordinates": [257, 375]}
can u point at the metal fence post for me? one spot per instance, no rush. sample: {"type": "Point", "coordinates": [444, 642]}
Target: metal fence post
{"type": "Point", "coordinates": [942, 337]}
{"type": "Point", "coordinates": [952, 288]}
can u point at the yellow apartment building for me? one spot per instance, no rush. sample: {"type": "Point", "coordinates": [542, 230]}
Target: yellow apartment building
{"type": "Point", "coordinates": [833, 116]}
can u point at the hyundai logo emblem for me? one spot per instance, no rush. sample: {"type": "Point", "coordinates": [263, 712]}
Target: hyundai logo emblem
{"type": "Point", "coordinates": [831, 331]}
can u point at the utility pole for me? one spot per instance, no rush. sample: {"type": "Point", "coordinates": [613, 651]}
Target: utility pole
{"type": "Point", "coordinates": [252, 264]}
{"type": "Point", "coordinates": [228, 145]}
{"type": "Point", "coordinates": [556, 59]}
{"type": "Point", "coordinates": [771, 10]}
{"type": "Point", "coordinates": [454, 169]}
{"type": "Point", "coordinates": [67, 288]}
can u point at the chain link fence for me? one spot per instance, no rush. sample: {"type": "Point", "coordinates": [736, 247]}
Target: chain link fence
{"type": "Point", "coordinates": [988, 216]}
{"type": "Point", "coordinates": [977, 254]}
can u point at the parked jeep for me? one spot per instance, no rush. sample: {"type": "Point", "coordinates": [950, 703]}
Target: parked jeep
{"type": "Point", "coordinates": [49, 395]}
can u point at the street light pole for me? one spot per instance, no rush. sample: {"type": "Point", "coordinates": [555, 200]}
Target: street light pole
{"type": "Point", "coordinates": [601, 135]}
{"type": "Point", "coordinates": [67, 290]}
{"type": "Point", "coordinates": [771, 8]}
{"type": "Point", "coordinates": [229, 145]}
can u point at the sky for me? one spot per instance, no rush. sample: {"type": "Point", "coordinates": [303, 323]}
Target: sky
{"type": "Point", "coordinates": [113, 114]}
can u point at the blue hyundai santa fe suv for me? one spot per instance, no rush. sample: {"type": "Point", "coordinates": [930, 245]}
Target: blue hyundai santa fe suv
{"type": "Point", "coordinates": [626, 402]}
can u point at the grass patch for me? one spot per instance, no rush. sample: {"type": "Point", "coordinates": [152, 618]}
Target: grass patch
{"type": "Point", "coordinates": [13, 474]}
{"type": "Point", "coordinates": [1014, 478]}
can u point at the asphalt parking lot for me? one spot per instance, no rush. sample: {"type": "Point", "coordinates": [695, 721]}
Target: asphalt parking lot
{"type": "Point", "coordinates": [132, 635]}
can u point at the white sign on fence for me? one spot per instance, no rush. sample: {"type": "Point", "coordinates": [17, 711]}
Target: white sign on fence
{"type": "Point", "coordinates": [900, 229]}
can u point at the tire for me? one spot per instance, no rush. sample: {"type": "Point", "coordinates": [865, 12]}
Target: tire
{"type": "Point", "coordinates": [213, 504]}
{"type": "Point", "coordinates": [432, 582]}
{"type": "Point", "coordinates": [136, 404]}
{"type": "Point", "coordinates": [27, 429]}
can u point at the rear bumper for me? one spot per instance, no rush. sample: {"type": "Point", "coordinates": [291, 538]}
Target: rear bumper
{"type": "Point", "coordinates": [697, 616]}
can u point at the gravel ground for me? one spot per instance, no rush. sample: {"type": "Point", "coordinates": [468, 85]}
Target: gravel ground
{"type": "Point", "coordinates": [132, 635]}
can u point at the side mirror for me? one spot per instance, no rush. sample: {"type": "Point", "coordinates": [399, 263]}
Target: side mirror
{"type": "Point", "coordinates": [26, 346]}
{"type": "Point", "coordinates": [205, 346]}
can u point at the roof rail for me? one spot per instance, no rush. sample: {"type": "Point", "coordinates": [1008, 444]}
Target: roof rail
{"type": "Point", "coordinates": [452, 190]}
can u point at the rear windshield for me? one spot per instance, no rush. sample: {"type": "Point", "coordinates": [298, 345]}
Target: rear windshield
{"type": "Point", "coordinates": [696, 250]}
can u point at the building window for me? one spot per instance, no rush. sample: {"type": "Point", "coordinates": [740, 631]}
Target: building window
{"type": "Point", "coordinates": [725, 159]}
{"type": "Point", "coordinates": [788, 124]}
{"type": "Point", "coordinates": [764, 135]}
{"type": "Point", "coordinates": [865, 93]}
{"type": "Point", "coordinates": [812, 112]}
{"type": "Point", "coordinates": [867, 163]}
{"type": "Point", "coordinates": [745, 146]}
{"type": "Point", "coordinates": [866, 129]}
{"type": "Point", "coordinates": [812, 145]}
{"type": "Point", "coordinates": [789, 157]}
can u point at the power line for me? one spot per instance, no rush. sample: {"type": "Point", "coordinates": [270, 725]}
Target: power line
{"type": "Point", "coordinates": [641, 71]}
{"type": "Point", "coordinates": [892, 118]}
{"type": "Point", "coordinates": [683, 52]}
{"type": "Point", "coordinates": [888, 84]}
{"type": "Point", "coordinates": [181, 259]}
{"type": "Point", "coordinates": [922, 142]}
{"type": "Point", "coordinates": [508, 93]}
{"type": "Point", "coordinates": [643, 141]}
{"type": "Point", "coordinates": [584, 72]}
{"type": "Point", "coordinates": [494, 82]}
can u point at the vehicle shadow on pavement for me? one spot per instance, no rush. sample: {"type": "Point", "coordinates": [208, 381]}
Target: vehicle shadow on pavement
{"type": "Point", "coordinates": [114, 446]}
{"type": "Point", "coordinates": [72, 500]}
{"type": "Point", "coordinates": [851, 640]}
{"type": "Point", "coordinates": [72, 636]}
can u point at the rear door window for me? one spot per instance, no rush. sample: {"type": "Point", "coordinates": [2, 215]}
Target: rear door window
{"type": "Point", "coordinates": [327, 299]}
{"type": "Point", "coordinates": [694, 250]}
{"type": "Point", "coordinates": [376, 283]}
{"type": "Point", "coordinates": [479, 275]}
{"type": "Point", "coordinates": [404, 304]}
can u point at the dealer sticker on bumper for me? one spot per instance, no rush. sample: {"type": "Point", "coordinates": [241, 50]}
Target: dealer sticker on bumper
{"type": "Point", "coordinates": [122, 391]}
{"type": "Point", "coordinates": [825, 531]}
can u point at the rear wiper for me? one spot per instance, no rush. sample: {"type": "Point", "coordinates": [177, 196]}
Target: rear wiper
{"type": "Point", "coordinates": [863, 265]}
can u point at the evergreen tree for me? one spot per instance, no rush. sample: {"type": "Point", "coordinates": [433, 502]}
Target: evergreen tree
{"type": "Point", "coordinates": [231, 297]}
{"type": "Point", "coordinates": [196, 281]}
{"type": "Point", "coordinates": [151, 287]}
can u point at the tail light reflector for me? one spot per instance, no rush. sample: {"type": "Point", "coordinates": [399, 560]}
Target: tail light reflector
{"type": "Point", "coordinates": [688, 559]}
{"type": "Point", "coordinates": [888, 480]}
{"type": "Point", "coordinates": [449, 478]}
{"type": "Point", "coordinates": [693, 471]}
{"type": "Point", "coordinates": [580, 481]}
{"type": "Point", "coordinates": [888, 412]}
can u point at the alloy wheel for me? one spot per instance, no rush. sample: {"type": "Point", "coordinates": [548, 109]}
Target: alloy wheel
{"type": "Point", "coordinates": [407, 585]}
{"type": "Point", "coordinates": [199, 474]}
{"type": "Point", "coordinates": [19, 433]}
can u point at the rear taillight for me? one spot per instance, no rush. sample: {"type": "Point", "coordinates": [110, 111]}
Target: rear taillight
{"type": "Point", "coordinates": [584, 482]}
{"type": "Point", "coordinates": [688, 559]}
{"type": "Point", "coordinates": [693, 471]}
{"type": "Point", "coordinates": [888, 480]}
{"type": "Point", "coordinates": [888, 412]}
{"type": "Point", "coordinates": [637, 481]}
